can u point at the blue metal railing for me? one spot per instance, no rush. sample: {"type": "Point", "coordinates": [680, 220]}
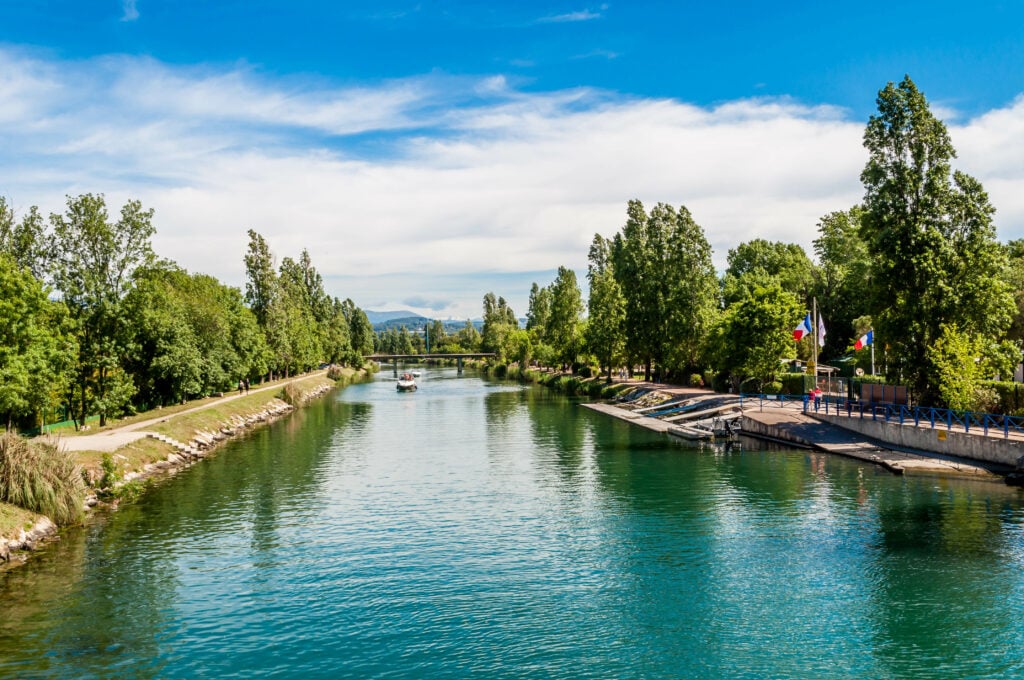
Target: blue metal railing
{"type": "Point", "coordinates": [921, 415]}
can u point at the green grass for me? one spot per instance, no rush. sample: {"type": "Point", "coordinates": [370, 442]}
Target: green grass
{"type": "Point", "coordinates": [13, 519]}
{"type": "Point", "coordinates": [42, 478]}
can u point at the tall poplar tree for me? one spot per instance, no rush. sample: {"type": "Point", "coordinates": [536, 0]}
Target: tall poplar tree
{"type": "Point", "coordinates": [929, 231]}
{"type": "Point", "coordinates": [606, 307]}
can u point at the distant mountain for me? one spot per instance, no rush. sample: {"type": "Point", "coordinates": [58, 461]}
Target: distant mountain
{"type": "Point", "coordinates": [413, 323]}
{"type": "Point", "coordinates": [381, 317]}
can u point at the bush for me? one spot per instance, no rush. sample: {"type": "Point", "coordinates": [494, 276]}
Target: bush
{"type": "Point", "coordinates": [696, 380]}
{"type": "Point", "coordinates": [584, 371]}
{"type": "Point", "coordinates": [291, 394]}
{"type": "Point", "coordinates": [41, 478]}
{"type": "Point", "coordinates": [796, 383]}
{"type": "Point", "coordinates": [335, 373]}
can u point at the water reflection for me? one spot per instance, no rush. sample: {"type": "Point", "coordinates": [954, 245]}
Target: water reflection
{"type": "Point", "coordinates": [486, 528]}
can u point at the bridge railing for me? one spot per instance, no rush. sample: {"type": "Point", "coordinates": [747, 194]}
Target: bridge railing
{"type": "Point", "coordinates": [927, 416]}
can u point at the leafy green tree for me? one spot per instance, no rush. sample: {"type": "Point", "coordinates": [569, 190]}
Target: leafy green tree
{"type": "Point", "coordinates": [563, 327]}
{"type": "Point", "coordinates": [958, 363]}
{"type": "Point", "coordinates": [635, 252]}
{"type": "Point", "coordinates": [754, 334]}
{"type": "Point", "coordinates": [519, 346]}
{"type": "Point", "coordinates": [468, 337]}
{"type": "Point", "coordinates": [165, 361]}
{"type": "Point", "coordinates": [787, 262]}
{"type": "Point", "coordinates": [337, 335]}
{"type": "Point", "coordinates": [33, 347]}
{"type": "Point", "coordinates": [92, 269]}
{"type": "Point", "coordinates": [844, 272]}
{"type": "Point", "coordinates": [662, 262]}
{"type": "Point", "coordinates": [24, 242]}
{"type": "Point", "coordinates": [437, 336]}
{"type": "Point", "coordinates": [929, 231]}
{"type": "Point", "coordinates": [499, 321]}
{"type": "Point", "coordinates": [606, 307]}
{"type": "Point", "coordinates": [691, 293]}
{"type": "Point", "coordinates": [261, 278]}
{"type": "Point", "coordinates": [360, 332]}
{"type": "Point", "coordinates": [538, 311]}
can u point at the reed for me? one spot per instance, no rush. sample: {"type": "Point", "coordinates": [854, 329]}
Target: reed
{"type": "Point", "coordinates": [42, 478]}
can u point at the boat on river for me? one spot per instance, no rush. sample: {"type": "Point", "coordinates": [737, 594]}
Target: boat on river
{"type": "Point", "coordinates": [406, 383]}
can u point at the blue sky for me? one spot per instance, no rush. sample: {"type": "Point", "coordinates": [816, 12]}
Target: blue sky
{"type": "Point", "coordinates": [429, 152]}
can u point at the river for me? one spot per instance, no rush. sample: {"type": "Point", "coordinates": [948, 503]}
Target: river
{"type": "Point", "coordinates": [478, 528]}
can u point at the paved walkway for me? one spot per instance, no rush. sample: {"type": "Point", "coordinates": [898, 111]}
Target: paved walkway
{"type": "Point", "coordinates": [115, 438]}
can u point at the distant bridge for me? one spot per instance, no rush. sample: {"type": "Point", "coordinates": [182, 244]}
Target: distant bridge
{"type": "Point", "coordinates": [406, 357]}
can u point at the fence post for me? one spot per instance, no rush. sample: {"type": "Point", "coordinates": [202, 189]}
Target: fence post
{"type": "Point", "coordinates": [1006, 426]}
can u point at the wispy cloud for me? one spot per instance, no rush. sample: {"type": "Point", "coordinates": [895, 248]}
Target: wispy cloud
{"type": "Point", "coordinates": [473, 178]}
{"type": "Point", "coordinates": [570, 17]}
{"type": "Point", "coordinates": [129, 10]}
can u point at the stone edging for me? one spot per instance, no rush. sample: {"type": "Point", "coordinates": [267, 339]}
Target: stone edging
{"type": "Point", "coordinates": [184, 455]}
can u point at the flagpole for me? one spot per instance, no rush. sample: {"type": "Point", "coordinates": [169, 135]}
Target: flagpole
{"type": "Point", "coordinates": [814, 338]}
{"type": "Point", "coordinates": [872, 354]}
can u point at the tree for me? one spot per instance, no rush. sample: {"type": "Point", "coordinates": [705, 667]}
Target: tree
{"type": "Point", "coordinates": [691, 293]}
{"type": "Point", "coordinates": [360, 332]}
{"type": "Point", "coordinates": [662, 262]}
{"type": "Point", "coordinates": [844, 271]}
{"type": "Point", "coordinates": [929, 231]}
{"type": "Point", "coordinates": [93, 264]}
{"type": "Point", "coordinates": [606, 307]}
{"type": "Point", "coordinates": [468, 337]}
{"type": "Point", "coordinates": [538, 311]}
{"type": "Point", "coordinates": [32, 343]}
{"type": "Point", "coordinates": [787, 262]}
{"type": "Point", "coordinates": [261, 278]}
{"type": "Point", "coordinates": [499, 321]}
{"type": "Point", "coordinates": [634, 251]}
{"type": "Point", "coordinates": [563, 328]}
{"type": "Point", "coordinates": [24, 242]}
{"type": "Point", "coordinates": [754, 334]}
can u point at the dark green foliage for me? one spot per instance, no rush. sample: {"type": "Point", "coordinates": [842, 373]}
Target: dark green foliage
{"type": "Point", "coordinates": [929, 232]}
{"type": "Point", "coordinates": [41, 478]}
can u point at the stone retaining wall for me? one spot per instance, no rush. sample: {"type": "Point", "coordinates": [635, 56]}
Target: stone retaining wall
{"type": "Point", "coordinates": [974, 446]}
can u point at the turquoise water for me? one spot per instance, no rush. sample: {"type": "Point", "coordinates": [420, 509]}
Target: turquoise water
{"type": "Point", "coordinates": [486, 529]}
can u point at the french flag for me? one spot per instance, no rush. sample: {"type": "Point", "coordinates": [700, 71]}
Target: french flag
{"type": "Point", "coordinates": [803, 329]}
{"type": "Point", "coordinates": [865, 340]}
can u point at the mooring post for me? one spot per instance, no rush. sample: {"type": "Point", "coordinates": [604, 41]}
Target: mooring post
{"type": "Point", "coordinates": [459, 360]}
{"type": "Point", "coordinates": [396, 367]}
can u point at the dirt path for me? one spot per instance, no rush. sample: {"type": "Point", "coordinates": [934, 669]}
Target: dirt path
{"type": "Point", "coordinates": [115, 438]}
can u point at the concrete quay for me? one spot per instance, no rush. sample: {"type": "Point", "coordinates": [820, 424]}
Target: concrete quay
{"type": "Point", "coordinates": [788, 424]}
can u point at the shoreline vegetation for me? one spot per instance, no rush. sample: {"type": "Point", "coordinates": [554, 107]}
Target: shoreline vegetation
{"type": "Point", "coordinates": [101, 480]}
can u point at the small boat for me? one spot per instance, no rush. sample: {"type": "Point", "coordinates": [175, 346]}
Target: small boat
{"type": "Point", "coordinates": [406, 383]}
{"type": "Point", "coordinates": [415, 374]}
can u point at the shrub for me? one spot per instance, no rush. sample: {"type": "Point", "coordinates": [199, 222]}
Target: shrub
{"type": "Point", "coordinates": [335, 373]}
{"type": "Point", "coordinates": [291, 394]}
{"type": "Point", "coordinates": [41, 478]}
{"type": "Point", "coordinates": [584, 371]}
{"type": "Point", "coordinates": [696, 380]}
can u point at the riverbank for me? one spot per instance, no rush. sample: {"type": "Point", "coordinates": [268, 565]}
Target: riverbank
{"type": "Point", "coordinates": [668, 409]}
{"type": "Point", "coordinates": [118, 461]}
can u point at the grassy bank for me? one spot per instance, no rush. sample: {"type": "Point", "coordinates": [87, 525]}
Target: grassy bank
{"type": "Point", "coordinates": [100, 468]}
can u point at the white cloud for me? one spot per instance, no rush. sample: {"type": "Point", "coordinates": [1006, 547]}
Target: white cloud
{"type": "Point", "coordinates": [570, 17]}
{"type": "Point", "coordinates": [435, 189]}
{"type": "Point", "coordinates": [131, 12]}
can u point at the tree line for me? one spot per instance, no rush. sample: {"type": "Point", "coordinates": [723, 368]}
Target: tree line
{"type": "Point", "coordinates": [95, 321]}
{"type": "Point", "coordinates": [917, 262]}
